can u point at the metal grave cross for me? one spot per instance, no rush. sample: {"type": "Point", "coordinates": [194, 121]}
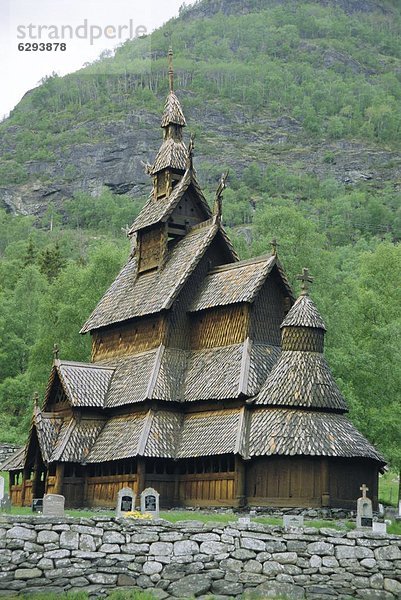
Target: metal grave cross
{"type": "Point", "coordinates": [306, 279]}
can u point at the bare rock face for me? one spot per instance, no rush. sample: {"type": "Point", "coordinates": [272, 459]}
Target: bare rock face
{"type": "Point", "coordinates": [115, 162]}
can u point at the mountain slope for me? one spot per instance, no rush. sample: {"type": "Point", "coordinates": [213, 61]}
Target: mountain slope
{"type": "Point", "coordinates": [314, 86]}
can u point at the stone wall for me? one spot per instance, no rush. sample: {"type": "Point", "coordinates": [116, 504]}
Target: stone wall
{"type": "Point", "coordinates": [190, 559]}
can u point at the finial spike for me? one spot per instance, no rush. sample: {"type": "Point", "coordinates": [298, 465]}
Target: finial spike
{"type": "Point", "coordinates": [56, 351]}
{"type": "Point", "coordinates": [36, 400]}
{"type": "Point", "coordinates": [275, 245]}
{"type": "Point", "coordinates": [191, 146]}
{"type": "Point", "coordinates": [170, 69]}
{"type": "Point", "coordinates": [306, 279]}
{"type": "Point", "coordinates": [218, 203]}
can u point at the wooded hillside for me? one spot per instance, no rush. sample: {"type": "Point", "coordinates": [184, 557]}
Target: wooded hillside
{"type": "Point", "coordinates": [301, 101]}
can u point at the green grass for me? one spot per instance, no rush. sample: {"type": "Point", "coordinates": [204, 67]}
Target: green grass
{"type": "Point", "coordinates": [388, 489]}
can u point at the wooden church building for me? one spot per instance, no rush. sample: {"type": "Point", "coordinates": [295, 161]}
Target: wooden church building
{"type": "Point", "coordinates": [207, 379]}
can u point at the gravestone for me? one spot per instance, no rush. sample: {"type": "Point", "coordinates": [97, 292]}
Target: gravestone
{"type": "Point", "coordinates": [5, 504]}
{"type": "Point", "coordinates": [293, 521]}
{"type": "Point", "coordinates": [1, 488]}
{"type": "Point", "coordinates": [381, 509]}
{"type": "Point", "coordinates": [37, 505]}
{"type": "Point", "coordinates": [244, 520]}
{"type": "Point", "coordinates": [53, 505]}
{"type": "Point", "coordinates": [125, 501]}
{"type": "Point", "coordinates": [364, 513]}
{"type": "Point", "coordinates": [150, 502]}
{"type": "Point", "coordinates": [378, 527]}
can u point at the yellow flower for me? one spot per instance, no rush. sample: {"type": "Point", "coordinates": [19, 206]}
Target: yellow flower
{"type": "Point", "coordinates": [135, 514]}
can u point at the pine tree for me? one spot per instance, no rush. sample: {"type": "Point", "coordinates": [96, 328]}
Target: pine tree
{"type": "Point", "coordinates": [51, 262]}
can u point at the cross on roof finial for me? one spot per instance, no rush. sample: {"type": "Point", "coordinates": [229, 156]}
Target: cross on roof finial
{"type": "Point", "coordinates": [56, 351]}
{"type": "Point", "coordinates": [364, 488]}
{"type": "Point", "coordinates": [274, 245]}
{"type": "Point", "coordinates": [306, 279]}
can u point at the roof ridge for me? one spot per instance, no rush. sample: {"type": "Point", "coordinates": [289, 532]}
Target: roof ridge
{"type": "Point", "coordinates": [69, 429]}
{"type": "Point", "coordinates": [155, 371]}
{"type": "Point", "coordinates": [241, 263]}
{"type": "Point", "coordinates": [143, 438]}
{"type": "Point", "coordinates": [82, 364]}
{"type": "Point", "coordinates": [245, 366]}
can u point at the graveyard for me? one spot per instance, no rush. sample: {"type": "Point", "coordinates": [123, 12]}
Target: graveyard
{"type": "Point", "coordinates": [271, 493]}
{"type": "Point", "coordinates": [151, 554]}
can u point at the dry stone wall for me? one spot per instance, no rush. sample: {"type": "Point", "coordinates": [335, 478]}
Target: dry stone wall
{"type": "Point", "coordinates": [189, 559]}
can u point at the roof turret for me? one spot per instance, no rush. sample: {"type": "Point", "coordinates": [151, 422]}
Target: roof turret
{"type": "Point", "coordinates": [173, 152]}
{"type": "Point", "coordinates": [301, 377]}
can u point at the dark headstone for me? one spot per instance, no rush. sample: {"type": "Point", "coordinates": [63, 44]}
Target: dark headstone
{"type": "Point", "coordinates": [150, 501]}
{"type": "Point", "coordinates": [125, 501]}
{"type": "Point", "coordinates": [37, 505]}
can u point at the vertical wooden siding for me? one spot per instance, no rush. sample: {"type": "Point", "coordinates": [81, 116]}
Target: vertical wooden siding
{"type": "Point", "coordinates": [137, 336]}
{"type": "Point", "coordinates": [220, 326]}
{"type": "Point", "coordinates": [151, 248]}
{"type": "Point", "coordinates": [267, 312]}
{"type": "Point", "coordinates": [282, 481]}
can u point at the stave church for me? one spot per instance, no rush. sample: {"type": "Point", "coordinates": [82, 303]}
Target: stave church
{"type": "Point", "coordinates": [207, 378]}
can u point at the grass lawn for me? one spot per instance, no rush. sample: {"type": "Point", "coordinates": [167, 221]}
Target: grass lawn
{"type": "Point", "coordinates": [388, 488]}
{"type": "Point", "coordinates": [388, 495]}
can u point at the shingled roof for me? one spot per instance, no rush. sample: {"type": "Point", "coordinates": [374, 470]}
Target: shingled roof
{"type": "Point", "coordinates": [175, 375]}
{"type": "Point", "coordinates": [15, 461]}
{"type": "Point", "coordinates": [75, 439]}
{"type": "Point", "coordinates": [48, 426]}
{"type": "Point", "coordinates": [289, 432]}
{"type": "Point", "coordinates": [304, 314]}
{"type": "Point", "coordinates": [132, 296]}
{"type": "Point", "coordinates": [301, 379]}
{"type": "Point", "coordinates": [208, 433]}
{"type": "Point", "coordinates": [227, 371]}
{"type": "Point", "coordinates": [172, 153]}
{"type": "Point", "coordinates": [158, 210]}
{"type": "Point", "coordinates": [237, 282]}
{"type": "Point", "coordinates": [85, 384]}
{"type": "Point", "coordinates": [151, 433]}
{"type": "Point", "coordinates": [173, 113]}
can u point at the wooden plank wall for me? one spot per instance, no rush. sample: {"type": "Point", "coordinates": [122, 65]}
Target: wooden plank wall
{"type": "Point", "coordinates": [282, 481]}
{"type": "Point", "coordinates": [151, 248]}
{"type": "Point", "coordinates": [268, 311]}
{"type": "Point", "coordinates": [346, 477]}
{"type": "Point", "coordinates": [137, 336]}
{"type": "Point", "coordinates": [179, 318]}
{"type": "Point", "coordinates": [207, 489]}
{"type": "Point", "coordinates": [219, 326]}
{"type": "Point", "coordinates": [102, 491]}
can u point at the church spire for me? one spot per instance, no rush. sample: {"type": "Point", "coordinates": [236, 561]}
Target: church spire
{"type": "Point", "coordinates": [170, 69]}
{"type": "Point", "coordinates": [171, 160]}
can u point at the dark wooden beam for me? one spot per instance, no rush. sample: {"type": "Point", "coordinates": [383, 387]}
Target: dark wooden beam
{"type": "Point", "coordinates": [325, 481]}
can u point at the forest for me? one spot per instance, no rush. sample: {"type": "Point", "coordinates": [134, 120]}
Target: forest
{"type": "Point", "coordinates": [54, 268]}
